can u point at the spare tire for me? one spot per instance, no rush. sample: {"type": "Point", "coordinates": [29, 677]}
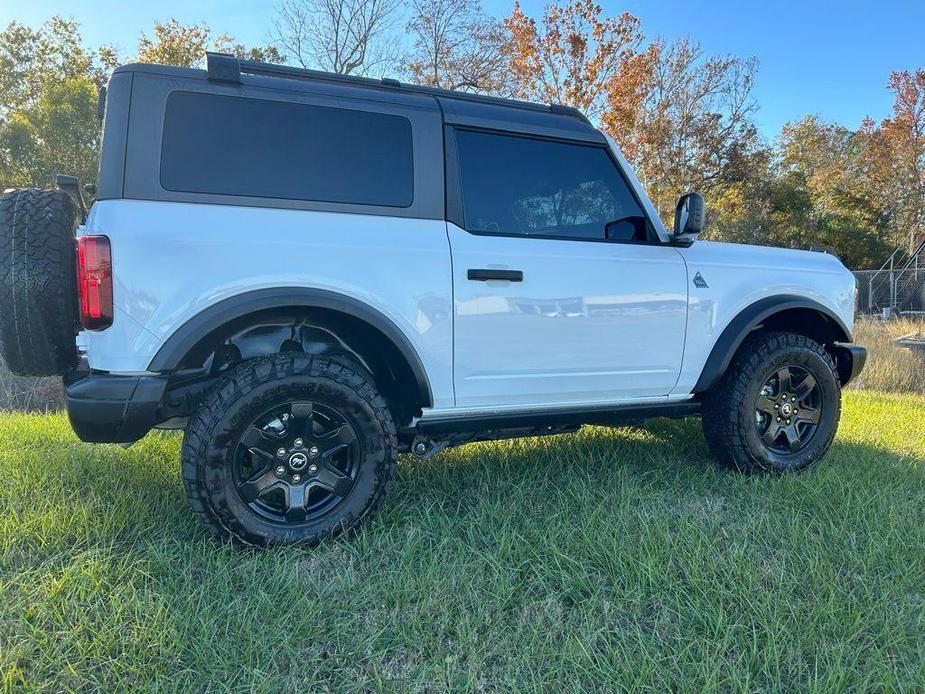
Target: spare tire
{"type": "Point", "coordinates": [38, 293]}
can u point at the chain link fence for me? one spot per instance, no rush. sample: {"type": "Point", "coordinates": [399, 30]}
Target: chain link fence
{"type": "Point", "coordinates": [891, 292]}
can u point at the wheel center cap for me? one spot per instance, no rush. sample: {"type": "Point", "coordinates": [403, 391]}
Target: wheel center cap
{"type": "Point", "coordinates": [786, 409]}
{"type": "Point", "coordinates": [297, 461]}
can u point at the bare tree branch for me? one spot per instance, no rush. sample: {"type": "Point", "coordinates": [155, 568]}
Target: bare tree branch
{"type": "Point", "coordinates": [343, 36]}
{"type": "Point", "coordinates": [456, 46]}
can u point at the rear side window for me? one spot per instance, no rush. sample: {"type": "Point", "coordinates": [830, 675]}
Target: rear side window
{"type": "Point", "coordinates": [225, 145]}
{"type": "Point", "coordinates": [524, 186]}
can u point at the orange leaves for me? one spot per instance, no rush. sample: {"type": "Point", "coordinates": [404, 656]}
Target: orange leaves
{"type": "Point", "coordinates": [684, 120]}
{"type": "Point", "coordinates": [572, 56]}
{"type": "Point", "coordinates": [894, 157]}
{"type": "Point", "coordinates": [626, 95]}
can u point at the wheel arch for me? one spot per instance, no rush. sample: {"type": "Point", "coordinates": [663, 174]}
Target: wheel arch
{"type": "Point", "coordinates": [249, 317]}
{"type": "Point", "coordinates": [786, 313]}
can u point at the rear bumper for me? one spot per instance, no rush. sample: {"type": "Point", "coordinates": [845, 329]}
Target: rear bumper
{"type": "Point", "coordinates": [104, 408]}
{"type": "Point", "coordinates": [851, 359]}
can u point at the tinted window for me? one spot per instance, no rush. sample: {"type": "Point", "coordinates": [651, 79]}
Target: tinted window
{"type": "Point", "coordinates": [275, 149]}
{"type": "Point", "coordinates": [518, 185]}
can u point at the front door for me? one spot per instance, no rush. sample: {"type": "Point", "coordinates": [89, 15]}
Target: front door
{"type": "Point", "coordinates": [562, 293]}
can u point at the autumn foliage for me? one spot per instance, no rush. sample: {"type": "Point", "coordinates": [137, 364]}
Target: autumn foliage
{"type": "Point", "coordinates": [685, 119]}
{"type": "Point", "coordinates": [572, 56]}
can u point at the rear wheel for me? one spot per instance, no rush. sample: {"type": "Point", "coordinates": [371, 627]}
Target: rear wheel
{"type": "Point", "coordinates": [289, 449]}
{"type": "Point", "coordinates": [777, 407]}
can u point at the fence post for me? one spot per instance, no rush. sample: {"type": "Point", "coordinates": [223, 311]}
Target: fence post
{"type": "Point", "coordinates": [892, 289]}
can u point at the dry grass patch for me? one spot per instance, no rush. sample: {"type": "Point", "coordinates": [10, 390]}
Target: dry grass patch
{"type": "Point", "coordinates": [890, 367]}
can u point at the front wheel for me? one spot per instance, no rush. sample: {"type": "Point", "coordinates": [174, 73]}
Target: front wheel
{"type": "Point", "coordinates": [777, 407]}
{"type": "Point", "coordinates": [289, 450]}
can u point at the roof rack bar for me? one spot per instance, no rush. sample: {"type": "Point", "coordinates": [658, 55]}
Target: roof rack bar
{"type": "Point", "coordinates": [226, 68]}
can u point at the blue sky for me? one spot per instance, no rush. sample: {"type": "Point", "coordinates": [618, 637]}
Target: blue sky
{"type": "Point", "coordinates": [830, 58]}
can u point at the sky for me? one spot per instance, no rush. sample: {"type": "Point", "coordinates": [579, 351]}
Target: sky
{"type": "Point", "coordinates": [828, 58]}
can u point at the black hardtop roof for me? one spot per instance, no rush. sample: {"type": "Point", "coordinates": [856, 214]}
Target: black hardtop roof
{"type": "Point", "coordinates": [222, 68]}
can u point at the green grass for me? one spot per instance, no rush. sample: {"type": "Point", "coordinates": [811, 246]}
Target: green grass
{"type": "Point", "coordinates": [610, 559]}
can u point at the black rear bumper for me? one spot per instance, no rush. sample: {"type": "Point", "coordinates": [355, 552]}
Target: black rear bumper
{"type": "Point", "coordinates": [104, 408]}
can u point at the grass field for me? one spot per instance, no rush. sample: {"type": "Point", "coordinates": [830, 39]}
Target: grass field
{"type": "Point", "coordinates": [889, 367]}
{"type": "Point", "coordinates": [604, 560]}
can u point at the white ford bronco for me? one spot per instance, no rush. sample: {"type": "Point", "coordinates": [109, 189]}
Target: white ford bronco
{"type": "Point", "coordinates": [312, 273]}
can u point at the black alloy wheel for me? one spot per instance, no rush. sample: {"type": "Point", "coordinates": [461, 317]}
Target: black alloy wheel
{"type": "Point", "coordinates": [297, 462]}
{"type": "Point", "coordinates": [789, 409]}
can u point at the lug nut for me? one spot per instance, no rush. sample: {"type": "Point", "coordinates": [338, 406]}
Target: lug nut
{"type": "Point", "coordinates": [313, 451]}
{"type": "Point", "coordinates": [313, 469]}
{"type": "Point", "coordinates": [421, 447]}
{"type": "Point", "coordinates": [788, 421]}
{"type": "Point", "coordinates": [281, 452]}
{"type": "Point", "coordinates": [776, 406]}
{"type": "Point", "coordinates": [280, 470]}
{"type": "Point", "coordinates": [297, 443]}
{"type": "Point", "coordinates": [296, 478]}
{"type": "Point", "coordinates": [778, 419]}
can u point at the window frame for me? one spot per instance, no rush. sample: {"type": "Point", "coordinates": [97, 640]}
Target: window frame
{"type": "Point", "coordinates": [140, 159]}
{"type": "Point", "coordinates": [455, 208]}
{"type": "Point", "coordinates": [298, 199]}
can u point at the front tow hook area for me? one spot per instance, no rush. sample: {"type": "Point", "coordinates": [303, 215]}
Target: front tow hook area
{"type": "Point", "coordinates": [850, 359]}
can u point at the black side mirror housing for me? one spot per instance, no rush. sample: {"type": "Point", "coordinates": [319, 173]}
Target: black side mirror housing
{"type": "Point", "coordinates": [632, 228]}
{"type": "Point", "coordinates": [689, 217]}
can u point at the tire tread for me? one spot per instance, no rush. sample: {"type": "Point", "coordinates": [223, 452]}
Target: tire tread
{"type": "Point", "coordinates": [38, 284]}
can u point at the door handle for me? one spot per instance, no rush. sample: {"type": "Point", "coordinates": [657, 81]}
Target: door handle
{"type": "Point", "coordinates": [486, 275]}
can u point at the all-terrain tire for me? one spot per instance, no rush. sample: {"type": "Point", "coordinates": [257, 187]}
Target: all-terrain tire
{"type": "Point", "coordinates": [216, 430]}
{"type": "Point", "coordinates": [731, 418]}
{"type": "Point", "coordinates": [38, 304]}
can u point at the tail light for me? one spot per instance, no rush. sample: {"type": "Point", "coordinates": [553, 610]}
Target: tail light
{"type": "Point", "coordinates": [94, 282]}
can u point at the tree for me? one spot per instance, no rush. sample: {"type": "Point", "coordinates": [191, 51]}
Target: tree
{"type": "Point", "coordinates": [456, 46]}
{"type": "Point", "coordinates": [226, 43]}
{"type": "Point", "coordinates": [48, 85]}
{"type": "Point", "coordinates": [185, 45]}
{"type": "Point", "coordinates": [572, 57]}
{"type": "Point", "coordinates": [175, 44]}
{"type": "Point", "coordinates": [343, 36]}
{"type": "Point", "coordinates": [33, 59]}
{"type": "Point", "coordinates": [806, 195]}
{"type": "Point", "coordinates": [59, 133]}
{"type": "Point", "coordinates": [684, 120]}
{"type": "Point", "coordinates": [894, 159]}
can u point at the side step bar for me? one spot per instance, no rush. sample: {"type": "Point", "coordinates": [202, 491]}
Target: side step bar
{"type": "Point", "coordinates": [430, 426]}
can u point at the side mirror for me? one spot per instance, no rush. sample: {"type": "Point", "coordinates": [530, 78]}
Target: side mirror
{"type": "Point", "coordinates": [689, 217]}
{"type": "Point", "coordinates": [632, 228]}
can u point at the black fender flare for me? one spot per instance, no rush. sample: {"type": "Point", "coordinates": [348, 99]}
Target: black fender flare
{"type": "Point", "coordinates": [172, 352]}
{"type": "Point", "coordinates": [748, 319]}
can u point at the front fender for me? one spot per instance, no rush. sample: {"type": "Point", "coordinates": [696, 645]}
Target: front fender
{"type": "Point", "coordinates": [729, 341]}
